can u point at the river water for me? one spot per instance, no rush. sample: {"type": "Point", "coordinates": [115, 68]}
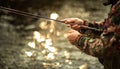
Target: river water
{"type": "Point", "coordinates": [47, 47]}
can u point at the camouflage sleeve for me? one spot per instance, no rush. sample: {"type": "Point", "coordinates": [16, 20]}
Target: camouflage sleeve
{"type": "Point", "coordinates": [91, 46]}
{"type": "Point", "coordinates": [107, 42]}
{"type": "Point", "coordinates": [95, 25]}
{"type": "Point", "coordinates": [93, 33]}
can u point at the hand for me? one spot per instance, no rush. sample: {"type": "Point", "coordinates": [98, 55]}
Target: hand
{"type": "Point", "coordinates": [73, 36]}
{"type": "Point", "coordinates": [75, 23]}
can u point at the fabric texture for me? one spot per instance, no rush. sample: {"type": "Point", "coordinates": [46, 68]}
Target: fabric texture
{"type": "Point", "coordinates": [106, 45]}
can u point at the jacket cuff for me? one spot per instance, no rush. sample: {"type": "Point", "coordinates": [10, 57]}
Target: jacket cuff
{"type": "Point", "coordinates": [80, 40]}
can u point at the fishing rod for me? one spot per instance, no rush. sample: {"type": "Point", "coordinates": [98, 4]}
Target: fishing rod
{"type": "Point", "coordinates": [38, 16]}
{"type": "Point", "coordinates": [26, 14]}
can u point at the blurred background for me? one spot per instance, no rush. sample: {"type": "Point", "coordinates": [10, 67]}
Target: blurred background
{"type": "Point", "coordinates": [35, 43]}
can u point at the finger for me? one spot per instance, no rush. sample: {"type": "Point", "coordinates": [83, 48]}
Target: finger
{"type": "Point", "coordinates": [72, 31]}
{"type": "Point", "coordinates": [68, 34]}
{"type": "Point", "coordinates": [64, 20]}
{"type": "Point", "coordinates": [69, 20]}
{"type": "Point", "coordinates": [75, 27]}
{"type": "Point", "coordinates": [70, 24]}
{"type": "Point", "coordinates": [83, 27]}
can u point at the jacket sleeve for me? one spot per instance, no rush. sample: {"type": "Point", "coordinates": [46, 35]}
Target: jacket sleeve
{"type": "Point", "coordinates": [91, 46]}
{"type": "Point", "coordinates": [96, 32]}
{"type": "Point", "coordinates": [97, 46]}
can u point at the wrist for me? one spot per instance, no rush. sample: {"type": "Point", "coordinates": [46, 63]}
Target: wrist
{"type": "Point", "coordinates": [77, 40]}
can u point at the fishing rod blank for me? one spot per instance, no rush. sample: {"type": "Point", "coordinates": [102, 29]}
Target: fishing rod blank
{"type": "Point", "coordinates": [37, 16]}
{"type": "Point", "coordinates": [27, 14]}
